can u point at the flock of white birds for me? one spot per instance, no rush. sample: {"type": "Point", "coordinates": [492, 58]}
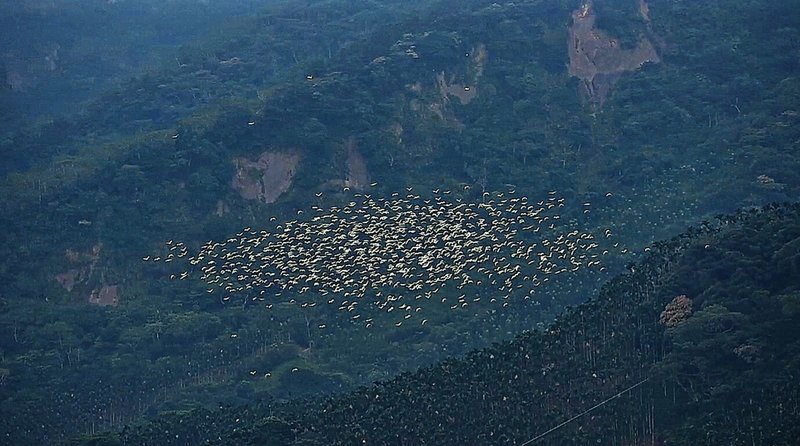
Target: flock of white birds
{"type": "Point", "coordinates": [396, 253]}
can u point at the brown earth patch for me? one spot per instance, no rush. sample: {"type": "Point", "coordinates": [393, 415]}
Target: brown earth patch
{"type": "Point", "coordinates": [357, 172]}
{"type": "Point", "coordinates": [105, 296]}
{"type": "Point", "coordinates": [79, 276]}
{"type": "Point", "coordinates": [84, 264]}
{"type": "Point", "coordinates": [68, 279]}
{"type": "Point", "coordinates": [468, 91]}
{"type": "Point", "coordinates": [464, 93]}
{"type": "Point", "coordinates": [266, 178]}
{"type": "Point", "coordinates": [597, 59]}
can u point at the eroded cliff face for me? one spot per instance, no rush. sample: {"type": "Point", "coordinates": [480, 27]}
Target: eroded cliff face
{"type": "Point", "coordinates": [597, 58]}
{"type": "Point", "coordinates": [266, 178]}
{"type": "Point", "coordinates": [357, 171]}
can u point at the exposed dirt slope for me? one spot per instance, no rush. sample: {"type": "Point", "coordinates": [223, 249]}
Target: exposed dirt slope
{"type": "Point", "coordinates": [266, 178]}
{"type": "Point", "coordinates": [597, 58]}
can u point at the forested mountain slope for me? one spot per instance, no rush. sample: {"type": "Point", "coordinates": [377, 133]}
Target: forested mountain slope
{"type": "Point", "coordinates": [695, 344]}
{"type": "Point", "coordinates": [641, 118]}
{"type": "Point", "coordinates": [57, 54]}
{"type": "Point", "coordinates": [163, 61]}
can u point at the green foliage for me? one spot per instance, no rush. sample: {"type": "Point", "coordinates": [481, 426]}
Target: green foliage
{"type": "Point", "coordinates": [719, 374]}
{"type": "Point", "coordinates": [712, 128]}
{"type": "Point", "coordinates": [621, 19]}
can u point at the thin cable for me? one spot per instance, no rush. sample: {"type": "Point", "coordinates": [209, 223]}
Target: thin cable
{"type": "Point", "coordinates": [564, 423]}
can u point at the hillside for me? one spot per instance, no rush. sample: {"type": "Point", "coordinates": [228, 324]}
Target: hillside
{"type": "Point", "coordinates": [63, 89]}
{"type": "Point", "coordinates": [627, 121]}
{"type": "Point", "coordinates": [56, 55]}
{"type": "Point", "coordinates": [696, 344]}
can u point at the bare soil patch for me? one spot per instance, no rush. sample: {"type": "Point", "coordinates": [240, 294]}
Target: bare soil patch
{"type": "Point", "coordinates": [266, 178]}
{"type": "Point", "coordinates": [597, 58]}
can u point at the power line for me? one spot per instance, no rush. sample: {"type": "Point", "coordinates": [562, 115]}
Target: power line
{"type": "Point", "coordinates": [564, 423]}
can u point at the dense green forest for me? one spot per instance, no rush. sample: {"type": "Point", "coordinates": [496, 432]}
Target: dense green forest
{"type": "Point", "coordinates": [696, 344]}
{"type": "Point", "coordinates": [56, 54]}
{"type": "Point", "coordinates": [644, 118]}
